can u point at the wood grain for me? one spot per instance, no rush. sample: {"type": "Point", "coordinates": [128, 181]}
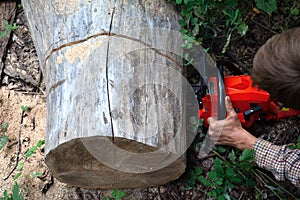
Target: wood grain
{"type": "Point", "coordinates": [114, 112]}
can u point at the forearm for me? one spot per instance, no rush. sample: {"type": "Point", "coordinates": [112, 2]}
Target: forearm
{"type": "Point", "coordinates": [283, 162]}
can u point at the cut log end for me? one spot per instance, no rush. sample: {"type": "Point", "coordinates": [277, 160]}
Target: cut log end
{"type": "Point", "coordinates": [76, 163]}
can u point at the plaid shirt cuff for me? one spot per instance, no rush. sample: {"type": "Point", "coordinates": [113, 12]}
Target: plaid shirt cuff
{"type": "Point", "coordinates": [283, 162]}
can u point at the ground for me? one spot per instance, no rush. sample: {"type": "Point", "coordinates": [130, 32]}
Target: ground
{"type": "Point", "coordinates": [22, 85]}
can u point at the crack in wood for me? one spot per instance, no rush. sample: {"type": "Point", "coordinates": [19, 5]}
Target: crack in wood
{"type": "Point", "coordinates": [114, 35]}
{"type": "Point", "coordinates": [107, 80]}
{"type": "Point", "coordinates": [53, 87]}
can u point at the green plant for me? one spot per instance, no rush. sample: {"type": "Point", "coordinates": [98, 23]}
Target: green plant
{"type": "Point", "coordinates": [3, 138]}
{"type": "Point", "coordinates": [116, 195]}
{"type": "Point", "coordinates": [24, 108]}
{"type": "Point", "coordinates": [297, 145]}
{"type": "Point", "coordinates": [33, 149]}
{"type": "Point", "coordinates": [237, 170]}
{"type": "Point", "coordinates": [227, 174]}
{"type": "Point", "coordinates": [8, 28]}
{"type": "Point", "coordinates": [15, 195]}
{"type": "Point", "coordinates": [200, 18]}
{"type": "Point", "coordinates": [268, 6]}
{"type": "Point", "coordinates": [35, 174]}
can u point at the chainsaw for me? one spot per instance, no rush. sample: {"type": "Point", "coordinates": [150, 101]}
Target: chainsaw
{"type": "Point", "coordinates": [250, 103]}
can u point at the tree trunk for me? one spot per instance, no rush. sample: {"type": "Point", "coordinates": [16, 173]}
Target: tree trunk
{"type": "Point", "coordinates": [115, 109]}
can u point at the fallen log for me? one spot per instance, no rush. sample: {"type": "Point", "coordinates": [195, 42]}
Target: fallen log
{"type": "Point", "coordinates": [115, 93]}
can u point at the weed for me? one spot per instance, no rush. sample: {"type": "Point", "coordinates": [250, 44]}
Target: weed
{"type": "Point", "coordinates": [268, 6]}
{"type": "Point", "coordinates": [8, 28]}
{"type": "Point", "coordinates": [3, 138]}
{"type": "Point", "coordinates": [199, 18]}
{"type": "Point", "coordinates": [116, 195]}
{"type": "Point", "coordinates": [15, 195]}
{"type": "Point", "coordinates": [35, 174]}
{"type": "Point", "coordinates": [226, 174]}
{"type": "Point", "coordinates": [24, 108]}
{"type": "Point", "coordinates": [33, 149]}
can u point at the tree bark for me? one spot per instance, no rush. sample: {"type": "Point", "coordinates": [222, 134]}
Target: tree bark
{"type": "Point", "coordinates": [115, 116]}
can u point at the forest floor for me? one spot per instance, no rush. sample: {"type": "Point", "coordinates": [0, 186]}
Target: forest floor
{"type": "Point", "coordinates": [21, 84]}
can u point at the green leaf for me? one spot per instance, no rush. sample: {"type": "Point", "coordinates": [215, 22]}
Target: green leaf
{"type": "Point", "coordinates": [178, 1]}
{"type": "Point", "coordinates": [117, 195]}
{"type": "Point", "coordinates": [6, 24]}
{"type": "Point", "coordinates": [198, 171]}
{"type": "Point", "coordinates": [268, 6]}
{"type": "Point", "coordinates": [295, 11]}
{"type": "Point", "coordinates": [16, 193]}
{"type": "Point", "coordinates": [17, 175]}
{"type": "Point", "coordinates": [4, 125]}
{"type": "Point", "coordinates": [212, 175]}
{"type": "Point", "coordinates": [221, 149]}
{"type": "Point", "coordinates": [122, 194]}
{"type": "Point", "coordinates": [5, 195]}
{"type": "Point", "coordinates": [31, 151]}
{"type": "Point", "coordinates": [205, 182]}
{"type": "Point", "coordinates": [218, 166]}
{"type": "Point", "coordinates": [20, 166]}
{"type": "Point", "coordinates": [40, 143]}
{"type": "Point", "coordinates": [231, 3]}
{"type": "Point", "coordinates": [235, 179]}
{"type": "Point", "coordinates": [242, 29]}
{"type": "Point", "coordinates": [219, 181]}
{"type": "Point", "coordinates": [221, 197]}
{"type": "Point", "coordinates": [24, 108]}
{"type": "Point", "coordinates": [3, 34]}
{"type": "Point", "coordinates": [247, 155]}
{"type": "Point", "coordinates": [235, 17]}
{"type": "Point", "coordinates": [35, 174]}
{"type": "Point", "coordinates": [230, 173]}
{"type": "Point", "coordinates": [3, 141]}
{"type": "Point", "coordinates": [232, 156]}
{"type": "Point", "coordinates": [114, 193]}
{"type": "Point", "coordinates": [227, 197]}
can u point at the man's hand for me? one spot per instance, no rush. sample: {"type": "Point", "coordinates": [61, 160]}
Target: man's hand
{"type": "Point", "coordinates": [231, 130]}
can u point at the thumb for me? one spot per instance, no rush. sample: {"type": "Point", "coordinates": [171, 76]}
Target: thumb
{"type": "Point", "coordinates": [211, 120]}
{"type": "Point", "coordinates": [228, 104]}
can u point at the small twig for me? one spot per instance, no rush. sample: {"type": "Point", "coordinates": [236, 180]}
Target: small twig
{"type": "Point", "coordinates": [266, 184]}
{"type": "Point", "coordinates": [265, 27]}
{"type": "Point", "coordinates": [274, 182]}
{"type": "Point", "coordinates": [241, 195]}
{"type": "Point", "coordinates": [19, 147]}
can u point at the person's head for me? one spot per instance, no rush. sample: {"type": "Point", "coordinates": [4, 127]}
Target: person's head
{"type": "Point", "coordinates": [276, 68]}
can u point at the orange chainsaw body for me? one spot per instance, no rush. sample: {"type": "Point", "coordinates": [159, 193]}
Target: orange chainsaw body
{"type": "Point", "coordinates": [250, 103]}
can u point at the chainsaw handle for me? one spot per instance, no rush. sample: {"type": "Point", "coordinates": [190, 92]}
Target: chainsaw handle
{"type": "Point", "coordinates": [221, 93]}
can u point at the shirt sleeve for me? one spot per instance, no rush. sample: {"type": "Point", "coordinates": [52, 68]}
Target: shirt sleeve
{"type": "Point", "coordinates": [283, 162]}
